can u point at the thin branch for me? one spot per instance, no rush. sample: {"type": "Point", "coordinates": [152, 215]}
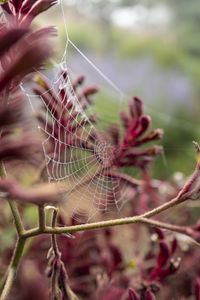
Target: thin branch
{"type": "Point", "coordinates": [110, 223]}
{"type": "Point", "coordinates": [167, 226]}
{"type": "Point", "coordinates": [18, 252]}
{"type": "Point", "coordinates": [13, 207]}
{"type": "Point", "coordinates": [8, 284]}
{"type": "Point", "coordinates": [53, 236]}
{"type": "Point", "coordinates": [105, 224]}
{"type": "Point", "coordinates": [16, 216]}
{"type": "Point", "coordinates": [41, 217]}
{"type": "Point", "coordinates": [125, 221]}
{"type": "Point", "coordinates": [17, 255]}
{"type": "Point", "coordinates": [175, 201]}
{"type": "Point", "coordinates": [142, 219]}
{"type": "Point", "coordinates": [23, 235]}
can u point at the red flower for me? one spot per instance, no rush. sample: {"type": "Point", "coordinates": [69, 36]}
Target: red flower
{"type": "Point", "coordinates": [136, 133]}
{"type": "Point", "coordinates": [29, 50]}
{"type": "Point", "coordinates": [148, 295]}
{"type": "Point", "coordinates": [165, 264]}
{"type": "Point", "coordinates": [24, 11]}
{"type": "Point", "coordinates": [133, 295]}
{"type": "Point", "coordinates": [191, 189]}
{"type": "Point", "coordinates": [197, 288]}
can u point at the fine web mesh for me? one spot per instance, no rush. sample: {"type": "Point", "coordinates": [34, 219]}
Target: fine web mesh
{"type": "Point", "coordinates": [80, 160]}
{"type": "Point", "coordinates": [78, 155]}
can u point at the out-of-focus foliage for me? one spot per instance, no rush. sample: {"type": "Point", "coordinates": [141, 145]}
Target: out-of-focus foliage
{"type": "Point", "coordinates": [176, 48]}
{"type": "Point", "coordinates": [135, 264]}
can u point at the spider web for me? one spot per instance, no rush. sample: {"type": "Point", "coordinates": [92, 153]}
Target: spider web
{"type": "Point", "coordinates": [78, 156]}
{"type": "Point", "coordinates": [80, 160]}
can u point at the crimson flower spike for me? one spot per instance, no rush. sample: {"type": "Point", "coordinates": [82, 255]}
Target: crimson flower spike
{"type": "Point", "coordinates": [25, 11]}
{"type": "Point", "coordinates": [191, 189]}
{"type": "Point", "coordinates": [132, 295]}
{"type": "Point", "coordinates": [10, 37]}
{"type": "Point", "coordinates": [149, 296]}
{"type": "Point", "coordinates": [197, 288]}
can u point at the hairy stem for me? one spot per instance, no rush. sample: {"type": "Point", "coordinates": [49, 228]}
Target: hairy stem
{"type": "Point", "coordinates": [53, 236]}
{"type": "Point", "coordinates": [175, 201]}
{"type": "Point", "coordinates": [116, 222]}
{"type": "Point", "coordinates": [53, 230]}
{"type": "Point", "coordinates": [106, 224]}
{"type": "Point", "coordinates": [41, 217]}
{"type": "Point", "coordinates": [17, 255]}
{"type": "Point", "coordinates": [13, 206]}
{"type": "Point", "coordinates": [16, 216]}
{"type": "Point", "coordinates": [100, 225]}
{"type": "Point", "coordinates": [18, 252]}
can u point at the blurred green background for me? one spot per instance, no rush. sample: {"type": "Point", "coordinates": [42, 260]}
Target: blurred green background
{"type": "Point", "coordinates": [148, 48]}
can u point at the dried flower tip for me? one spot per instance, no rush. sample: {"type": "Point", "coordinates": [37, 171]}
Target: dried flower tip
{"type": "Point", "coordinates": [157, 134]}
{"type": "Point", "coordinates": [154, 237]}
{"type": "Point", "coordinates": [155, 150]}
{"type": "Point", "coordinates": [40, 81]}
{"type": "Point", "coordinates": [196, 145]}
{"type": "Point", "coordinates": [175, 263]}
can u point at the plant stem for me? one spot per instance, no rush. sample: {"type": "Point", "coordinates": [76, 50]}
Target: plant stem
{"type": "Point", "coordinates": [18, 252]}
{"type": "Point", "coordinates": [13, 206]}
{"type": "Point", "coordinates": [175, 201]}
{"type": "Point", "coordinates": [110, 223]}
{"type": "Point", "coordinates": [41, 217]}
{"type": "Point", "coordinates": [17, 219]}
{"type": "Point", "coordinates": [43, 229]}
{"type": "Point", "coordinates": [105, 224]}
{"type": "Point", "coordinates": [17, 255]}
{"type": "Point", "coordinates": [83, 227]}
{"type": "Point", "coordinates": [124, 221]}
{"type": "Point", "coordinates": [167, 226]}
{"type": "Point", "coordinates": [53, 236]}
